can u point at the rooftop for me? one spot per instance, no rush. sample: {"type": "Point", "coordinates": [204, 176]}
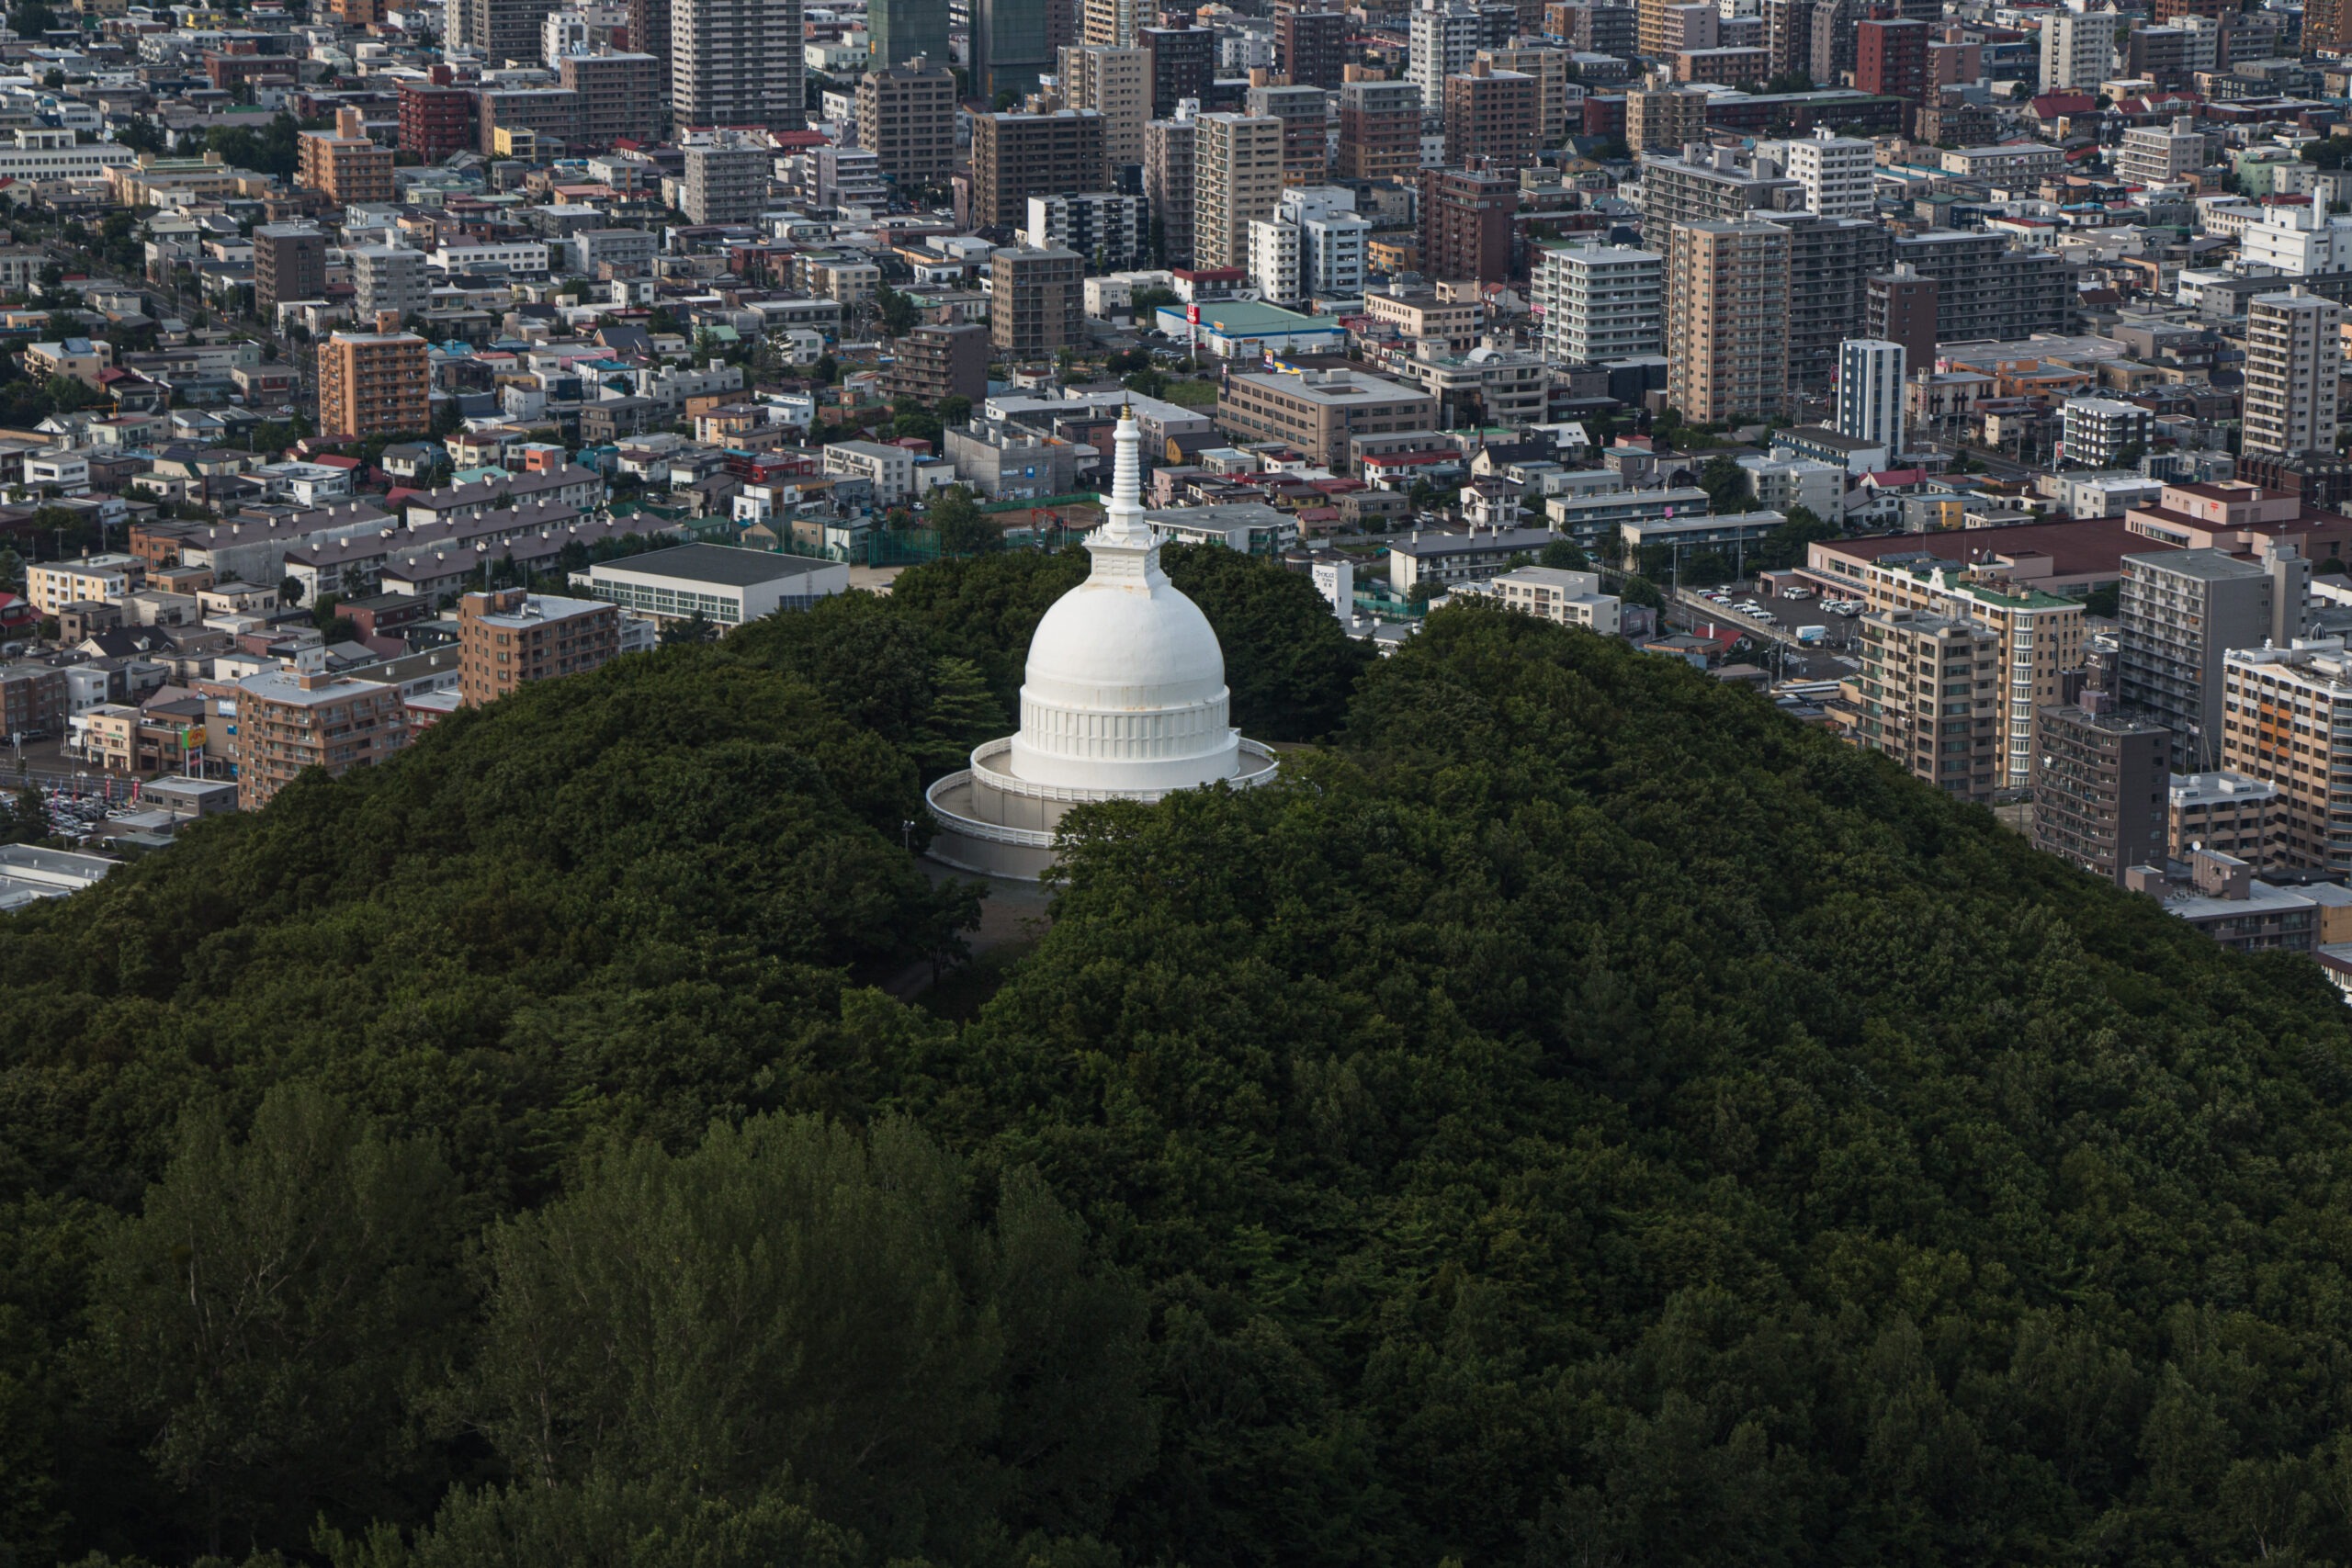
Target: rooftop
{"type": "Point", "coordinates": [718, 564]}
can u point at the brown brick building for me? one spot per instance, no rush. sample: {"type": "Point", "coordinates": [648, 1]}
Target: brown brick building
{"type": "Point", "coordinates": [935, 361]}
{"type": "Point", "coordinates": [32, 701]}
{"type": "Point", "coordinates": [1036, 301]}
{"type": "Point", "coordinates": [373, 384]}
{"type": "Point", "coordinates": [1380, 131]}
{"type": "Point", "coordinates": [1016, 156]}
{"type": "Point", "coordinates": [509, 637]}
{"type": "Point", "coordinates": [296, 718]}
{"type": "Point", "coordinates": [1466, 223]}
{"type": "Point", "coordinates": [290, 262]}
{"type": "Point", "coordinates": [1493, 115]}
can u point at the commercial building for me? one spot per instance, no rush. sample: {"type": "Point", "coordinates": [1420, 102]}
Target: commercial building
{"type": "Point", "coordinates": [1320, 411]}
{"type": "Point", "coordinates": [2179, 615]}
{"type": "Point", "coordinates": [1600, 302]}
{"type": "Point", "coordinates": [1170, 151]}
{"type": "Point", "coordinates": [511, 636]}
{"type": "Point", "coordinates": [2287, 721]}
{"type": "Point", "coordinates": [388, 279]}
{"type": "Point", "coordinates": [737, 62]}
{"type": "Point", "coordinates": [1036, 301]}
{"type": "Point", "coordinates": [726, 178]}
{"type": "Point", "coordinates": [727, 587]}
{"type": "Point", "coordinates": [899, 31]}
{"type": "Point", "coordinates": [1115, 82]}
{"type": "Point", "coordinates": [1492, 115]}
{"type": "Point", "coordinates": [1246, 328]}
{"type": "Point", "coordinates": [2228, 813]}
{"type": "Point", "coordinates": [2100, 783]}
{"type": "Point", "coordinates": [1016, 156]}
{"type": "Point", "coordinates": [293, 720]}
{"type": "Point", "coordinates": [373, 384]}
{"type": "Point", "coordinates": [2295, 367]}
{"type": "Point", "coordinates": [1869, 391]}
{"type": "Point", "coordinates": [2101, 431]}
{"type": "Point", "coordinates": [934, 362]}
{"type": "Point", "coordinates": [1928, 696]}
{"type": "Point", "coordinates": [1015, 42]}
{"type": "Point", "coordinates": [1380, 131]}
{"type": "Point", "coordinates": [1727, 320]}
{"type": "Point", "coordinates": [1237, 176]}
{"type": "Point", "coordinates": [1466, 224]}
{"type": "Point", "coordinates": [343, 163]}
{"type": "Point", "coordinates": [290, 262]}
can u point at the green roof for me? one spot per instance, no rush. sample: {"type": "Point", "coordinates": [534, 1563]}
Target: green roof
{"type": "Point", "coordinates": [1250, 318]}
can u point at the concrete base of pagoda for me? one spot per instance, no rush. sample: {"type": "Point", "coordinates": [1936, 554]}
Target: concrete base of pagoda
{"type": "Point", "coordinates": [992, 822]}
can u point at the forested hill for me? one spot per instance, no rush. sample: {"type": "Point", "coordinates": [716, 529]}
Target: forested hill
{"type": "Point", "coordinates": [1575, 1118]}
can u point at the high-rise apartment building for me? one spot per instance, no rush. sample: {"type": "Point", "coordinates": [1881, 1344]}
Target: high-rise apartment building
{"type": "Point", "coordinates": [1036, 301]}
{"type": "Point", "coordinates": [1237, 176]}
{"type": "Point", "coordinates": [1466, 223]}
{"type": "Point", "coordinates": [2101, 782]}
{"type": "Point", "coordinates": [506, 31]}
{"type": "Point", "coordinates": [2227, 812]}
{"type": "Point", "coordinates": [2078, 50]}
{"type": "Point", "coordinates": [1891, 58]}
{"type": "Point", "coordinates": [2285, 716]}
{"type": "Point", "coordinates": [1311, 46]}
{"type": "Point", "coordinates": [1106, 227]}
{"type": "Point", "coordinates": [1987, 290]}
{"type": "Point", "coordinates": [373, 384]}
{"type": "Point", "coordinates": [2102, 433]}
{"type": "Point", "coordinates": [1183, 63]}
{"type": "Point", "coordinates": [1170, 147]}
{"type": "Point", "coordinates": [343, 163]}
{"type": "Point", "coordinates": [437, 117]}
{"type": "Point", "coordinates": [736, 63]}
{"type": "Point", "coordinates": [2179, 612]}
{"type": "Point", "coordinates": [906, 117]}
{"type": "Point", "coordinates": [1830, 264]}
{"type": "Point", "coordinates": [898, 31]}
{"type": "Point", "coordinates": [1833, 38]}
{"type": "Point", "coordinates": [1493, 116]}
{"type": "Point", "coordinates": [2161, 154]}
{"type": "Point", "coordinates": [1115, 82]}
{"type": "Point", "coordinates": [1549, 67]}
{"type": "Point", "coordinates": [389, 280]}
{"type": "Point", "coordinates": [1013, 43]}
{"type": "Point", "coordinates": [1900, 306]}
{"type": "Point", "coordinates": [1666, 119]}
{"type": "Point", "coordinates": [2327, 24]}
{"type": "Point", "coordinates": [1446, 35]}
{"type": "Point", "coordinates": [297, 719]}
{"type": "Point", "coordinates": [726, 178]}
{"type": "Point", "coordinates": [1928, 696]}
{"type": "Point", "coordinates": [649, 29]}
{"type": "Point", "coordinates": [1113, 22]}
{"type": "Point", "coordinates": [1727, 320]}
{"type": "Point", "coordinates": [290, 262]}
{"type": "Point", "coordinates": [1306, 114]}
{"type": "Point", "coordinates": [618, 96]}
{"type": "Point", "coordinates": [1869, 392]}
{"type": "Point", "coordinates": [1788, 35]}
{"type": "Point", "coordinates": [1380, 131]}
{"type": "Point", "coordinates": [1838, 174]}
{"type": "Point", "coordinates": [1334, 243]}
{"type": "Point", "coordinates": [510, 638]}
{"type": "Point", "coordinates": [1016, 156]}
{"type": "Point", "coordinates": [1600, 302]}
{"type": "Point", "coordinates": [2294, 363]}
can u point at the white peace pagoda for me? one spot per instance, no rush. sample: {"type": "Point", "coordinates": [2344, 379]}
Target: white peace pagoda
{"type": "Point", "coordinates": [1123, 699]}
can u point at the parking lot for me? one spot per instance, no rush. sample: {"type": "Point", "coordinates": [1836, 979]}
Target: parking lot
{"type": "Point", "coordinates": [1788, 614]}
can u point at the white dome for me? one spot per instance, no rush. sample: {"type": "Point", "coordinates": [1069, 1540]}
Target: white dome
{"type": "Point", "coordinates": [1124, 688]}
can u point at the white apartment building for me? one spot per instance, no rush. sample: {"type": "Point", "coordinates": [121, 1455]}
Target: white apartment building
{"type": "Point", "coordinates": [517, 259]}
{"type": "Point", "coordinates": [2296, 242]}
{"type": "Point", "coordinates": [2097, 430]}
{"type": "Point", "coordinates": [1444, 41]}
{"type": "Point", "coordinates": [2294, 362]}
{"type": "Point", "coordinates": [1237, 176]}
{"type": "Point", "coordinates": [1273, 259]}
{"type": "Point", "coordinates": [389, 278]}
{"type": "Point", "coordinates": [2078, 50]}
{"type": "Point", "coordinates": [1838, 172]}
{"type": "Point", "coordinates": [1104, 227]}
{"type": "Point", "coordinates": [1600, 302]}
{"type": "Point", "coordinates": [1332, 241]}
{"type": "Point", "coordinates": [40, 153]}
{"type": "Point", "coordinates": [1869, 391]}
{"type": "Point", "coordinates": [1550, 594]}
{"type": "Point", "coordinates": [2158, 155]}
{"type": "Point", "coordinates": [892, 468]}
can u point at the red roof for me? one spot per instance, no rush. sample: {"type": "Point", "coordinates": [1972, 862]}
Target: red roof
{"type": "Point", "coordinates": [2049, 106]}
{"type": "Point", "coordinates": [1887, 479]}
{"type": "Point", "coordinates": [328, 460]}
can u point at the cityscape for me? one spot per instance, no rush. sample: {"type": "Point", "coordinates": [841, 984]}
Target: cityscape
{"type": "Point", "coordinates": [1055, 784]}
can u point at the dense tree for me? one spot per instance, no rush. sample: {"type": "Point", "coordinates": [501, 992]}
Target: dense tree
{"type": "Point", "coordinates": [1288, 663]}
{"type": "Point", "coordinates": [964, 528]}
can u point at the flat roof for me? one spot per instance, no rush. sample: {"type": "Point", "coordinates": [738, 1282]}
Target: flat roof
{"type": "Point", "coordinates": [2090, 544]}
{"type": "Point", "coordinates": [719, 564]}
{"type": "Point", "coordinates": [1250, 318]}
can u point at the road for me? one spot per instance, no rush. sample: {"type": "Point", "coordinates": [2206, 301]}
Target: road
{"type": "Point", "coordinates": [1996, 466]}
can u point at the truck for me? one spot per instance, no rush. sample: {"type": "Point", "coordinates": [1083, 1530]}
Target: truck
{"type": "Point", "coordinates": [1813, 636]}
